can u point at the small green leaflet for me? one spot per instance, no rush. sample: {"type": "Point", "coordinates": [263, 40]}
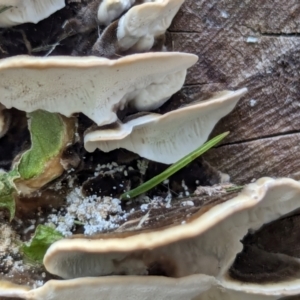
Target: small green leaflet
{"type": "Point", "coordinates": [173, 168]}
{"type": "Point", "coordinates": [47, 131]}
{"type": "Point", "coordinates": [4, 8]}
{"type": "Point", "coordinates": [7, 191]}
{"type": "Point", "coordinates": [44, 236]}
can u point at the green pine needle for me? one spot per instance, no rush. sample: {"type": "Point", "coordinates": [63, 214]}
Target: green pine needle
{"type": "Point", "coordinates": [234, 188]}
{"type": "Point", "coordinates": [173, 168]}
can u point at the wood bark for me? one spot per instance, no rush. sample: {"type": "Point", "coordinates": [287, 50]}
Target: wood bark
{"type": "Point", "coordinates": [252, 44]}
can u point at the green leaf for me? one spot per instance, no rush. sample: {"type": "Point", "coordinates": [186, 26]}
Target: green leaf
{"type": "Point", "coordinates": [47, 133]}
{"type": "Point", "coordinates": [7, 192]}
{"type": "Point", "coordinates": [43, 238]}
{"type": "Point", "coordinates": [50, 133]}
{"type": "Point", "coordinates": [4, 8]}
{"type": "Point", "coordinates": [173, 168]}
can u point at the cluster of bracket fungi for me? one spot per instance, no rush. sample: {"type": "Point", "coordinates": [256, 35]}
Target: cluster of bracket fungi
{"type": "Point", "coordinates": [128, 67]}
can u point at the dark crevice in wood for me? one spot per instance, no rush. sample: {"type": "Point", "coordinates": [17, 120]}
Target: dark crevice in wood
{"type": "Point", "coordinates": [273, 34]}
{"type": "Point", "coordinates": [182, 31]}
{"type": "Point", "coordinates": [281, 34]}
{"type": "Point", "coordinates": [199, 84]}
{"type": "Point", "coordinates": [281, 134]}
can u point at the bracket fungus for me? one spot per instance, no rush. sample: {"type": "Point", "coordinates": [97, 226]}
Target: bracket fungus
{"type": "Point", "coordinates": [195, 259]}
{"type": "Point", "coordinates": [115, 287]}
{"type": "Point", "coordinates": [155, 137]}
{"type": "Point", "coordinates": [58, 84]}
{"type": "Point", "coordinates": [5, 119]}
{"type": "Point", "coordinates": [138, 28]}
{"type": "Point", "coordinates": [210, 241]}
{"type": "Point", "coordinates": [27, 11]}
{"type": "Point", "coordinates": [110, 10]}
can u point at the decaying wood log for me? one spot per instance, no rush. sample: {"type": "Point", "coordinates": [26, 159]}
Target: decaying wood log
{"type": "Point", "coordinates": [253, 44]}
{"type": "Point", "coordinates": [239, 43]}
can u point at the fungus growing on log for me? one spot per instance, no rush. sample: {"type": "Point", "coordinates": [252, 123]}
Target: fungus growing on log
{"type": "Point", "coordinates": [115, 287]}
{"type": "Point", "coordinates": [210, 241]}
{"type": "Point", "coordinates": [144, 20]}
{"type": "Point", "coordinates": [193, 258]}
{"type": "Point", "coordinates": [27, 11]}
{"type": "Point", "coordinates": [97, 87]}
{"type": "Point", "coordinates": [137, 29]}
{"type": "Point", "coordinates": [155, 136]}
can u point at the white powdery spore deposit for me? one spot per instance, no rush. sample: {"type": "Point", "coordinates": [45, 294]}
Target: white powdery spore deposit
{"type": "Point", "coordinates": [96, 214]}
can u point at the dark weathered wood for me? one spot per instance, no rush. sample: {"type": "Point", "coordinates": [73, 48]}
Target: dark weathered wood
{"type": "Point", "coordinates": [277, 156]}
{"type": "Point", "coordinates": [252, 44]}
{"type": "Point", "coordinates": [261, 113]}
{"type": "Point", "coordinates": [268, 17]}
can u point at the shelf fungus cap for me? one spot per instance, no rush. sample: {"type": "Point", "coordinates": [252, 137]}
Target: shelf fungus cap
{"type": "Point", "coordinates": [221, 292]}
{"type": "Point", "coordinates": [17, 12]}
{"type": "Point", "coordinates": [11, 290]}
{"type": "Point", "coordinates": [138, 30]}
{"type": "Point", "coordinates": [110, 10]}
{"type": "Point", "coordinates": [169, 137]}
{"type": "Point", "coordinates": [95, 86]}
{"type": "Point", "coordinates": [144, 20]}
{"type": "Point", "coordinates": [124, 287]}
{"type": "Point", "coordinates": [207, 243]}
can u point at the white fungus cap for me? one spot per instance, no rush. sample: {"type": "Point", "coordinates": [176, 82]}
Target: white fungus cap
{"type": "Point", "coordinates": [110, 10]}
{"type": "Point", "coordinates": [28, 11]}
{"type": "Point", "coordinates": [207, 243]}
{"type": "Point", "coordinates": [114, 288]}
{"type": "Point", "coordinates": [169, 137]}
{"type": "Point", "coordinates": [204, 246]}
{"type": "Point", "coordinates": [142, 23]}
{"type": "Point", "coordinates": [95, 86]}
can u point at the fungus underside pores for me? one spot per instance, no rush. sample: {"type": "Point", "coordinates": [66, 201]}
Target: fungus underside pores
{"type": "Point", "coordinates": [139, 82]}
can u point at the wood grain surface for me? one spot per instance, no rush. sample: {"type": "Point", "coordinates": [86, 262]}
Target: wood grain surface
{"type": "Point", "coordinates": [252, 44]}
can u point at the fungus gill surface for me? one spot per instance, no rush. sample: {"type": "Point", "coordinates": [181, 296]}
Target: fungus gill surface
{"type": "Point", "coordinates": [138, 29]}
{"type": "Point", "coordinates": [155, 137]}
{"type": "Point", "coordinates": [94, 86]}
{"type": "Point", "coordinates": [23, 11]}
